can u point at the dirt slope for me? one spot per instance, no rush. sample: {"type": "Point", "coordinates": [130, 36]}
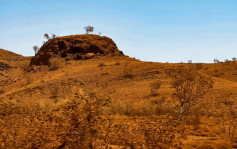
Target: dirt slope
{"type": "Point", "coordinates": [124, 80]}
{"type": "Point", "coordinates": [11, 63]}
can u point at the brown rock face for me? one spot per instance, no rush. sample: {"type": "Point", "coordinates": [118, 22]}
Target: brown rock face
{"type": "Point", "coordinates": [75, 47]}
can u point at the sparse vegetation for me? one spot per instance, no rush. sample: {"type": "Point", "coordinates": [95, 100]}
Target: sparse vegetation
{"type": "Point", "coordinates": [46, 36]}
{"type": "Point", "coordinates": [199, 66]}
{"type": "Point", "coordinates": [89, 29]}
{"type": "Point", "coordinates": [226, 116]}
{"type": "Point", "coordinates": [127, 73]}
{"type": "Point", "coordinates": [234, 59]}
{"type": "Point", "coordinates": [2, 90]}
{"type": "Point", "coordinates": [36, 49]}
{"type": "Point", "coordinates": [154, 86]}
{"type": "Point", "coordinates": [53, 36]}
{"type": "Point", "coordinates": [189, 88]}
{"type": "Point", "coordinates": [123, 105]}
{"type": "Point", "coordinates": [216, 61]}
{"type": "Point", "coordinates": [101, 65]}
{"type": "Point", "coordinates": [54, 64]}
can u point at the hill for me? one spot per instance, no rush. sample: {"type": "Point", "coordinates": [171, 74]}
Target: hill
{"type": "Point", "coordinates": [112, 97]}
{"type": "Point", "coordinates": [10, 63]}
{"type": "Point", "coordinates": [75, 47]}
{"type": "Point", "coordinates": [9, 56]}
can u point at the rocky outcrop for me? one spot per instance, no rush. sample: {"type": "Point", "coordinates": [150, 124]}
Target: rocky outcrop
{"type": "Point", "coordinates": [75, 47]}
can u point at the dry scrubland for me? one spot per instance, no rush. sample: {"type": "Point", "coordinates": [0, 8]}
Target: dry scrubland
{"type": "Point", "coordinates": [114, 102]}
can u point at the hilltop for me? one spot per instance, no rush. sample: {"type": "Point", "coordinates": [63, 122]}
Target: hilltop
{"type": "Point", "coordinates": [78, 47]}
{"type": "Point", "coordinates": [132, 117]}
{"type": "Point", "coordinates": [10, 56]}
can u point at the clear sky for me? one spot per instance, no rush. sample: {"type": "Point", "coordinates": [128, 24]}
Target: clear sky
{"type": "Point", "coordinates": [150, 30]}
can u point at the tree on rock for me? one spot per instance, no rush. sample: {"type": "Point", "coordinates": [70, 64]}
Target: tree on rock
{"type": "Point", "coordinates": [53, 36]}
{"type": "Point", "coordinates": [89, 29]}
{"type": "Point", "coordinates": [36, 49]}
{"type": "Point", "coordinates": [46, 36]}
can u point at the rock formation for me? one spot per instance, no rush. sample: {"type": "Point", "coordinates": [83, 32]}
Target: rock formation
{"type": "Point", "coordinates": [75, 47]}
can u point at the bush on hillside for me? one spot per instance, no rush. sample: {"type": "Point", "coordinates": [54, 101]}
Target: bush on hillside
{"type": "Point", "coordinates": [154, 86]}
{"type": "Point", "coordinates": [189, 88]}
{"type": "Point", "coordinates": [54, 64]}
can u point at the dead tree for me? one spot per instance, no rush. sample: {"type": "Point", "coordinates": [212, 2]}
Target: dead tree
{"type": "Point", "coordinates": [189, 88]}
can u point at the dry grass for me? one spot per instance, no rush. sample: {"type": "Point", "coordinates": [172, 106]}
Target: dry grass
{"type": "Point", "coordinates": [54, 64]}
{"type": "Point", "coordinates": [53, 108]}
{"type": "Point", "coordinates": [154, 86]}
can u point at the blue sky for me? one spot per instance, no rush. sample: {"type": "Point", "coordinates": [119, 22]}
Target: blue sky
{"type": "Point", "coordinates": [150, 30]}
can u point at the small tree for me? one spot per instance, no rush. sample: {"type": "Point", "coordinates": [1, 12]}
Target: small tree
{"type": "Point", "coordinates": [46, 36]}
{"type": "Point", "coordinates": [36, 49]}
{"type": "Point", "coordinates": [227, 117]}
{"type": "Point", "coordinates": [234, 59]}
{"type": "Point", "coordinates": [53, 36]}
{"type": "Point", "coordinates": [154, 86]}
{"type": "Point", "coordinates": [189, 88]}
{"type": "Point", "coordinates": [89, 29]}
{"type": "Point", "coordinates": [216, 61]}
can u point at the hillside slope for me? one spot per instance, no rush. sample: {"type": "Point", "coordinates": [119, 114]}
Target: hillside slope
{"type": "Point", "coordinates": [126, 82]}
{"type": "Point", "coordinates": [10, 64]}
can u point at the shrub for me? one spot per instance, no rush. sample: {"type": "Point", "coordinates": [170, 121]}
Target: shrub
{"type": "Point", "coordinates": [2, 91]}
{"type": "Point", "coordinates": [24, 66]}
{"type": "Point", "coordinates": [54, 93]}
{"type": "Point", "coordinates": [127, 73]}
{"type": "Point", "coordinates": [189, 88]}
{"type": "Point", "coordinates": [129, 109]}
{"type": "Point", "coordinates": [117, 63]}
{"type": "Point", "coordinates": [199, 66]}
{"type": "Point", "coordinates": [54, 64]}
{"type": "Point", "coordinates": [216, 61]}
{"type": "Point", "coordinates": [101, 65]}
{"type": "Point", "coordinates": [205, 146]}
{"type": "Point", "coordinates": [226, 115]}
{"type": "Point", "coordinates": [28, 80]}
{"type": "Point", "coordinates": [194, 118]}
{"type": "Point", "coordinates": [84, 117]}
{"type": "Point", "coordinates": [163, 107]}
{"type": "Point", "coordinates": [154, 86]}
